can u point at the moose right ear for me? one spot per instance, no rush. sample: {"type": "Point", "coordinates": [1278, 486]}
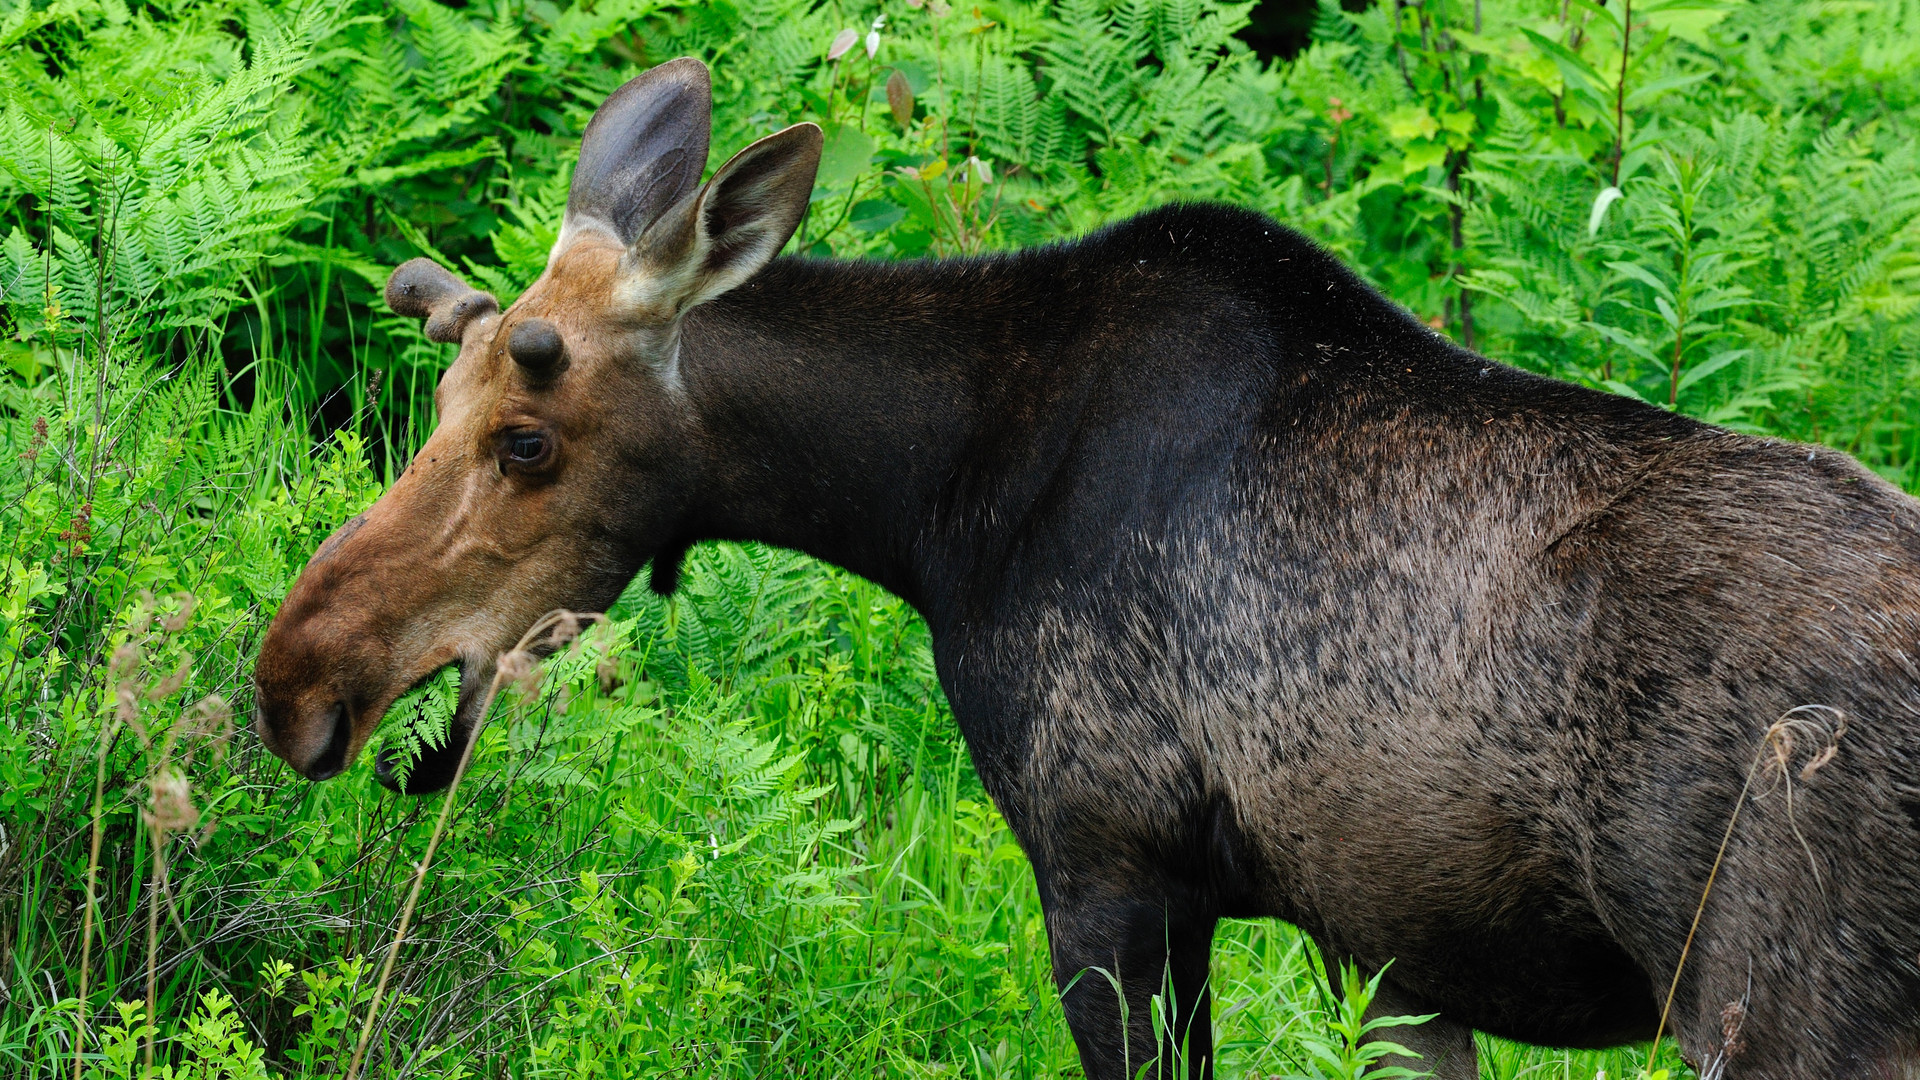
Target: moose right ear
{"type": "Point", "coordinates": [643, 151]}
{"type": "Point", "coordinates": [724, 235]}
{"type": "Point", "coordinates": [426, 290]}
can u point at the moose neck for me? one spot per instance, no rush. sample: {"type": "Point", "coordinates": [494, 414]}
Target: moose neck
{"type": "Point", "coordinates": [957, 429]}
{"type": "Point", "coordinates": [836, 403]}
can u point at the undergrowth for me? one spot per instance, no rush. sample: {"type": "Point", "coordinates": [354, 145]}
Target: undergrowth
{"type": "Point", "coordinates": [735, 834]}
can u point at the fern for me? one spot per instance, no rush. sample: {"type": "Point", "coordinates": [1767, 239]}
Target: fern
{"type": "Point", "coordinates": [1018, 123]}
{"type": "Point", "coordinates": [421, 720]}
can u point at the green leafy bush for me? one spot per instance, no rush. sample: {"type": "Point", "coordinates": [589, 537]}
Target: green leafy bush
{"type": "Point", "coordinates": [734, 834]}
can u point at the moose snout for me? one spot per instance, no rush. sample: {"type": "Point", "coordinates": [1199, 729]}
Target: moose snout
{"type": "Point", "coordinates": [316, 744]}
{"type": "Point", "coordinates": [326, 660]}
{"type": "Point", "coordinates": [312, 682]}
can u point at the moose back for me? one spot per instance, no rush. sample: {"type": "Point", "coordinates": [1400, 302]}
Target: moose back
{"type": "Point", "coordinates": [1252, 597]}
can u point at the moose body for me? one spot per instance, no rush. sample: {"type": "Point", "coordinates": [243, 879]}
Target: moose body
{"type": "Point", "coordinates": [1251, 595]}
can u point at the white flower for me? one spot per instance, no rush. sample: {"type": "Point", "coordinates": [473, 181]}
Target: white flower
{"type": "Point", "coordinates": [842, 42]}
{"type": "Point", "coordinates": [873, 43]}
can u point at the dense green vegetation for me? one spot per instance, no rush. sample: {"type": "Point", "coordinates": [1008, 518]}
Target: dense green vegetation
{"type": "Point", "coordinates": [734, 834]}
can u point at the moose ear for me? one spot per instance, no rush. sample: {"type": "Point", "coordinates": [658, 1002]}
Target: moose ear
{"type": "Point", "coordinates": [739, 221]}
{"type": "Point", "coordinates": [424, 289]}
{"type": "Point", "coordinates": [644, 150]}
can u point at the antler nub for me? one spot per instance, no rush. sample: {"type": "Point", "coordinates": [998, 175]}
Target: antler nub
{"type": "Point", "coordinates": [423, 288]}
{"type": "Point", "coordinates": [535, 344]}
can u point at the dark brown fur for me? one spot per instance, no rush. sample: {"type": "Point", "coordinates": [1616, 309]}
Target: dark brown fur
{"type": "Point", "coordinates": [1251, 595]}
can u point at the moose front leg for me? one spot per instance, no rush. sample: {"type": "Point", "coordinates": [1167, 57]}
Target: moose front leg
{"type": "Point", "coordinates": [1113, 954]}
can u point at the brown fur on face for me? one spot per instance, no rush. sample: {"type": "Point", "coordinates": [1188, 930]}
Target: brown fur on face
{"type": "Point", "coordinates": [471, 546]}
{"type": "Point", "coordinates": [547, 483]}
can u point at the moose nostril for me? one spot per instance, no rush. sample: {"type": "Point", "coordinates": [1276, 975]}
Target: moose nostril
{"type": "Point", "coordinates": [333, 760]}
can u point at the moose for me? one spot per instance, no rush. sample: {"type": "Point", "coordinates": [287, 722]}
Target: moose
{"type": "Point", "coordinates": [1251, 594]}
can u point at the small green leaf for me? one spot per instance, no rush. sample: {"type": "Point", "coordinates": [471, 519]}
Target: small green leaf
{"type": "Point", "coordinates": [1625, 390]}
{"type": "Point", "coordinates": [847, 154]}
{"type": "Point", "coordinates": [1644, 94]}
{"type": "Point", "coordinates": [1642, 274]}
{"type": "Point", "coordinates": [1670, 316]}
{"type": "Point", "coordinates": [1411, 122]}
{"type": "Point", "coordinates": [1687, 19]}
{"type": "Point", "coordinates": [1713, 363]}
{"type": "Point", "coordinates": [1572, 66]}
{"type": "Point", "coordinates": [1421, 157]}
{"type": "Point", "coordinates": [875, 215]}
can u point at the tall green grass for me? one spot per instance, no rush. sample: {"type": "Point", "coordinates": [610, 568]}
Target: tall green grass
{"type": "Point", "coordinates": [736, 834]}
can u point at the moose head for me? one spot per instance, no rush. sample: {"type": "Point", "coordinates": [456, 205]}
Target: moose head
{"type": "Point", "coordinates": [562, 459]}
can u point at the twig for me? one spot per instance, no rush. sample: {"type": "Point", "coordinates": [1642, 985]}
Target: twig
{"type": "Point", "coordinates": [1620, 92]}
{"type": "Point", "coordinates": [419, 877]}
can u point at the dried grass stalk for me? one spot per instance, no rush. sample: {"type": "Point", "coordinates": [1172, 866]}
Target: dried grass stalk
{"type": "Point", "coordinates": [1823, 726]}
{"type": "Point", "coordinates": [519, 665]}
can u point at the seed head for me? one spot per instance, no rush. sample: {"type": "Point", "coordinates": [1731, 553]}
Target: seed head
{"type": "Point", "coordinates": [126, 699]}
{"type": "Point", "coordinates": [172, 809]}
{"type": "Point", "coordinates": [38, 440]}
{"type": "Point", "coordinates": [521, 668]}
{"type": "Point", "coordinates": [608, 672]}
{"type": "Point", "coordinates": [212, 718]}
{"type": "Point", "coordinates": [125, 661]}
{"type": "Point", "coordinates": [142, 615]}
{"type": "Point", "coordinates": [177, 621]}
{"type": "Point", "coordinates": [1731, 1019]}
{"type": "Point", "coordinates": [171, 685]}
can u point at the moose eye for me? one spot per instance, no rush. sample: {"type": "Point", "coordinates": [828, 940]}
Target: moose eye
{"type": "Point", "coordinates": [524, 447]}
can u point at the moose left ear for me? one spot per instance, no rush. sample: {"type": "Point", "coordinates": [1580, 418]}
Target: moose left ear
{"type": "Point", "coordinates": [736, 224]}
{"type": "Point", "coordinates": [426, 290]}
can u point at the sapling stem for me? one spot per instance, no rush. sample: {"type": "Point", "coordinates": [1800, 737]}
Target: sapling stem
{"type": "Point", "coordinates": [1620, 91]}
{"type": "Point", "coordinates": [93, 873]}
{"type": "Point", "coordinates": [1779, 739]}
{"type": "Point", "coordinates": [153, 945]}
{"type": "Point", "coordinates": [419, 878]}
